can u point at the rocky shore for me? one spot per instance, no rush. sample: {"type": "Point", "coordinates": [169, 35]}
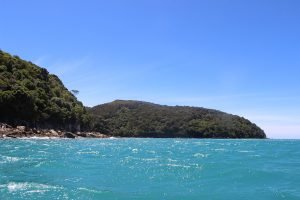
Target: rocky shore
{"type": "Point", "coordinates": [7, 131]}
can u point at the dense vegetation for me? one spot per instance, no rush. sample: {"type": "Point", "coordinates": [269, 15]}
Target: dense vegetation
{"type": "Point", "coordinates": [30, 96]}
{"type": "Point", "coordinates": [142, 119]}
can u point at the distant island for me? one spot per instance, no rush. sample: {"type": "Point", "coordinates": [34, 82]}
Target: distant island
{"type": "Point", "coordinates": [36, 103]}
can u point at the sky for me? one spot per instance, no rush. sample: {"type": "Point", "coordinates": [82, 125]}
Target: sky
{"type": "Point", "coordinates": [241, 57]}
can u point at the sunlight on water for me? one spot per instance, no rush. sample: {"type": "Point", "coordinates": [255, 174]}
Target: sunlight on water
{"type": "Point", "coordinates": [149, 169]}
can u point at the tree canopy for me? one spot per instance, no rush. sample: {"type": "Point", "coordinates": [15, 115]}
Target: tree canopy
{"type": "Point", "coordinates": [30, 95]}
{"type": "Point", "coordinates": [143, 119]}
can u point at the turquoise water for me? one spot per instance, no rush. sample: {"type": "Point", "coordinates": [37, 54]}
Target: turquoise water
{"type": "Point", "coordinates": [149, 169]}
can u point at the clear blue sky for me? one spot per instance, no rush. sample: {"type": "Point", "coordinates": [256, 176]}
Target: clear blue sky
{"type": "Point", "coordinates": [242, 57]}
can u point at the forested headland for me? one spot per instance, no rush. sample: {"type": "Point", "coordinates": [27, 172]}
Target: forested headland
{"type": "Point", "coordinates": [143, 119]}
{"type": "Point", "coordinates": [31, 97]}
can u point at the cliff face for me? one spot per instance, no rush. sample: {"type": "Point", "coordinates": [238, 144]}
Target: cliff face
{"type": "Point", "coordinates": [30, 96]}
{"type": "Point", "coordinates": [143, 119]}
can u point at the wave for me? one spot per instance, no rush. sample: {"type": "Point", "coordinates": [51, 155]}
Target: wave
{"type": "Point", "coordinates": [134, 150]}
{"type": "Point", "coordinates": [246, 151]}
{"type": "Point", "coordinates": [38, 138]}
{"type": "Point", "coordinates": [200, 155]}
{"type": "Point", "coordinates": [89, 152]}
{"type": "Point", "coordinates": [92, 190]}
{"type": "Point", "coordinates": [177, 165]}
{"type": "Point", "coordinates": [149, 159]}
{"type": "Point", "coordinates": [28, 187]}
{"type": "Point", "coordinates": [10, 159]}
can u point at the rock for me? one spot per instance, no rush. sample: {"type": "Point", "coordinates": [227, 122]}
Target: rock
{"type": "Point", "coordinates": [97, 135]}
{"type": "Point", "coordinates": [23, 131]}
{"type": "Point", "coordinates": [69, 135]}
{"type": "Point", "coordinates": [3, 127]}
{"type": "Point", "coordinates": [53, 133]}
{"type": "Point", "coordinates": [47, 134]}
{"type": "Point", "coordinates": [15, 133]}
{"type": "Point", "coordinates": [21, 128]}
{"type": "Point", "coordinates": [92, 135]}
{"type": "Point", "coordinates": [81, 134]}
{"type": "Point", "coordinates": [12, 136]}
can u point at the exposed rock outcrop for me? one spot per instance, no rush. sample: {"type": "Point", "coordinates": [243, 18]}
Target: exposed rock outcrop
{"type": "Point", "coordinates": [7, 131]}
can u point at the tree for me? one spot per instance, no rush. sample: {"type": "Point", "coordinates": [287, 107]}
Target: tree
{"type": "Point", "coordinates": [75, 92]}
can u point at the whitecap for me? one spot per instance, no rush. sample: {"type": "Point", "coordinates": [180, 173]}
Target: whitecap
{"type": "Point", "coordinates": [22, 186]}
{"type": "Point", "coordinates": [197, 166]}
{"type": "Point", "coordinates": [16, 186]}
{"type": "Point", "coordinates": [176, 165]}
{"type": "Point", "coordinates": [200, 155]}
{"type": "Point", "coordinates": [220, 149]}
{"type": "Point", "coordinates": [91, 190]}
{"type": "Point", "coordinates": [39, 164]}
{"type": "Point", "coordinates": [36, 191]}
{"type": "Point", "coordinates": [134, 150]}
{"type": "Point", "coordinates": [150, 159]}
{"type": "Point", "coordinates": [171, 160]}
{"type": "Point", "coordinates": [246, 151]}
{"type": "Point", "coordinates": [38, 138]}
{"type": "Point", "coordinates": [9, 159]}
{"type": "Point", "coordinates": [89, 152]}
{"type": "Point", "coordinates": [202, 143]}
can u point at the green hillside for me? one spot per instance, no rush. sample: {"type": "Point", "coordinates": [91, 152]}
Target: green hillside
{"type": "Point", "coordinates": [30, 96]}
{"type": "Point", "coordinates": [143, 119]}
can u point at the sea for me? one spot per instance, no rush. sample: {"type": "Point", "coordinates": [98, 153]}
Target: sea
{"type": "Point", "coordinates": [136, 168]}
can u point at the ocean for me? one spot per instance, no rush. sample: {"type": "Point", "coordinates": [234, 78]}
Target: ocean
{"type": "Point", "coordinates": [129, 168]}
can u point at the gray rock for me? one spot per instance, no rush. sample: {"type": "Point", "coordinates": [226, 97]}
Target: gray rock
{"type": "Point", "coordinates": [3, 126]}
{"type": "Point", "coordinates": [53, 133]}
{"type": "Point", "coordinates": [81, 134]}
{"type": "Point", "coordinates": [21, 128]}
{"type": "Point", "coordinates": [69, 135]}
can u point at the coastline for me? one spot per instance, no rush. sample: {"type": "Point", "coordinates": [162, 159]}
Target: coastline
{"type": "Point", "coordinates": [7, 131]}
{"type": "Point", "coordinates": [23, 132]}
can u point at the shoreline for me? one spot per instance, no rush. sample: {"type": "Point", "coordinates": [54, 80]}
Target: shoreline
{"type": "Point", "coordinates": [7, 131]}
{"type": "Point", "coordinates": [22, 132]}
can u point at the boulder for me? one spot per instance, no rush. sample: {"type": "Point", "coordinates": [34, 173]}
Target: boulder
{"type": "Point", "coordinates": [4, 126]}
{"type": "Point", "coordinates": [69, 135]}
{"type": "Point", "coordinates": [12, 136]}
{"type": "Point", "coordinates": [53, 133]}
{"type": "Point", "coordinates": [21, 128]}
{"type": "Point", "coordinates": [81, 134]}
{"type": "Point", "coordinates": [97, 135]}
{"type": "Point", "coordinates": [15, 134]}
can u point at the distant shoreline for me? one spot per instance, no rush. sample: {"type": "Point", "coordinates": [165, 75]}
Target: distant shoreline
{"type": "Point", "coordinates": [23, 132]}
